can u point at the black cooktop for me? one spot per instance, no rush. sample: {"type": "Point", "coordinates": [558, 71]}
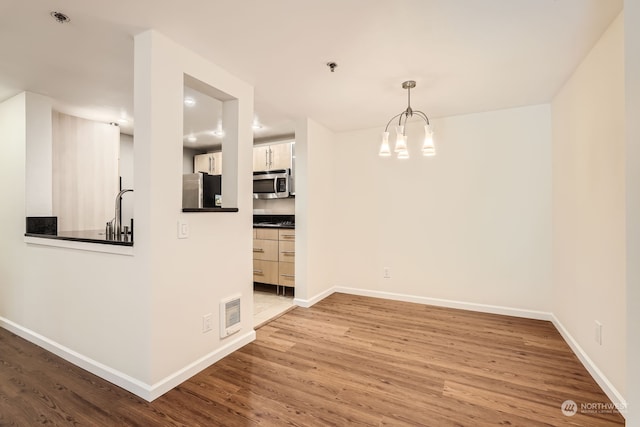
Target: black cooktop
{"type": "Point", "coordinates": [282, 221]}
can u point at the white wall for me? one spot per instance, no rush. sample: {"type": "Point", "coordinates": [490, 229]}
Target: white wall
{"type": "Point", "coordinates": [314, 210]}
{"type": "Point", "coordinates": [85, 172]}
{"type": "Point", "coordinates": [632, 126]}
{"type": "Point", "coordinates": [125, 166]}
{"type": "Point", "coordinates": [589, 205]}
{"type": "Point", "coordinates": [188, 155]}
{"type": "Point", "coordinates": [39, 185]}
{"type": "Point", "coordinates": [472, 224]}
{"type": "Point", "coordinates": [275, 206]}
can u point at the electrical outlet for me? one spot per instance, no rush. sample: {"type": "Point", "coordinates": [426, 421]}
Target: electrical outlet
{"type": "Point", "coordinates": [387, 273]}
{"type": "Point", "coordinates": [207, 323]}
{"type": "Point", "coordinates": [598, 333]}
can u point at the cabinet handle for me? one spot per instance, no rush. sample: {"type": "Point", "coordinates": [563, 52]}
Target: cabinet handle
{"type": "Point", "coordinates": [257, 271]}
{"type": "Point", "coordinates": [288, 275]}
{"type": "Point", "coordinates": [288, 236]}
{"type": "Point", "coordinates": [266, 159]}
{"type": "Point", "coordinates": [258, 250]}
{"type": "Point", "coordinates": [270, 157]}
{"type": "Point", "coordinates": [209, 164]}
{"type": "Point", "coordinates": [288, 252]}
{"type": "Point", "coordinates": [213, 169]}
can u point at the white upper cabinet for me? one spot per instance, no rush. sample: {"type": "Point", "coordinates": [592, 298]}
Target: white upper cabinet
{"type": "Point", "coordinates": [270, 157]}
{"type": "Point", "coordinates": [210, 163]}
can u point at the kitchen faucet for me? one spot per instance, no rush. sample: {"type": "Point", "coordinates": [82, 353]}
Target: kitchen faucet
{"type": "Point", "coordinates": [117, 227]}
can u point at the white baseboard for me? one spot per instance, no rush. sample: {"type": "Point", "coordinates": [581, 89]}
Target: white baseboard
{"type": "Point", "coordinates": [604, 383]}
{"type": "Point", "coordinates": [177, 378]}
{"type": "Point", "coordinates": [306, 303]}
{"type": "Point", "coordinates": [483, 308]}
{"type": "Point", "coordinates": [137, 387]}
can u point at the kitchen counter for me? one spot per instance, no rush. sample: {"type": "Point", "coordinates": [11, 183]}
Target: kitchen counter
{"type": "Point", "coordinates": [86, 236]}
{"type": "Point", "coordinates": [286, 226]}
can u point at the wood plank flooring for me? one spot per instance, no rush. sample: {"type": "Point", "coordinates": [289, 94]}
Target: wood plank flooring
{"type": "Point", "coordinates": [348, 360]}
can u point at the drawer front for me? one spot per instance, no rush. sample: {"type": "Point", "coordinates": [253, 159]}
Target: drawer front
{"type": "Point", "coordinates": [286, 274]}
{"type": "Point", "coordinates": [266, 250]}
{"type": "Point", "coordinates": [265, 271]}
{"type": "Point", "coordinates": [287, 252]}
{"type": "Point", "coordinates": [287, 235]}
{"type": "Point", "coordinates": [266, 233]}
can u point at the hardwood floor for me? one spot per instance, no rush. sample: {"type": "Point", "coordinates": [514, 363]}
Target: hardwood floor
{"type": "Point", "coordinates": [348, 360]}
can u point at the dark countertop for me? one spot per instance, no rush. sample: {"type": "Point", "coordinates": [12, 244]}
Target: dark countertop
{"type": "Point", "coordinates": [287, 226]}
{"type": "Point", "coordinates": [86, 236]}
{"type": "Point", "coordinates": [209, 209]}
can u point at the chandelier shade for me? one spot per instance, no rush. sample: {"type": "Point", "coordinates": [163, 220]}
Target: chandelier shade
{"type": "Point", "coordinates": [401, 149]}
{"type": "Point", "coordinates": [385, 149]}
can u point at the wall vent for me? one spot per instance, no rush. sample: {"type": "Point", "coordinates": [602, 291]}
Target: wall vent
{"type": "Point", "coordinates": [230, 316]}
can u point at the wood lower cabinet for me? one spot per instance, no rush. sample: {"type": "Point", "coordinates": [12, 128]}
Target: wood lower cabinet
{"type": "Point", "coordinates": [265, 271]}
{"type": "Point", "coordinates": [274, 256]}
{"type": "Point", "coordinates": [286, 257]}
{"type": "Point", "coordinates": [265, 250]}
{"type": "Point", "coordinates": [286, 274]}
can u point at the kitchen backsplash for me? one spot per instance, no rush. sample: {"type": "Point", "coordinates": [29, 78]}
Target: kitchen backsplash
{"type": "Point", "coordinates": [275, 206]}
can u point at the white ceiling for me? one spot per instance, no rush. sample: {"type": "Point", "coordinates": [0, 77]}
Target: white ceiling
{"type": "Point", "coordinates": [466, 55]}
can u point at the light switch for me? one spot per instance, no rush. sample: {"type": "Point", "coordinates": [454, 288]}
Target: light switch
{"type": "Point", "coordinates": [183, 229]}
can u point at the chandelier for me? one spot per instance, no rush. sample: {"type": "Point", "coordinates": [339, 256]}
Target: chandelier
{"type": "Point", "coordinates": [400, 148]}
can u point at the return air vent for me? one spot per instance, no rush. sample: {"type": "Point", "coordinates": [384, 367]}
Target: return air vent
{"type": "Point", "coordinates": [230, 316]}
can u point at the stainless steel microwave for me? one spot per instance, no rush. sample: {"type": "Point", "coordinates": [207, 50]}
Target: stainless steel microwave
{"type": "Point", "coordinates": [273, 184]}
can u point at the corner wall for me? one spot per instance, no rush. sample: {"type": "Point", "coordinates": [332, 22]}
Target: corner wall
{"type": "Point", "coordinates": [85, 306]}
{"type": "Point", "coordinates": [135, 319]}
{"type": "Point", "coordinates": [589, 205]}
{"type": "Point", "coordinates": [471, 225]}
{"type": "Point", "coordinates": [632, 127]}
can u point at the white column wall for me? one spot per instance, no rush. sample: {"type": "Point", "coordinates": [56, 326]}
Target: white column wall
{"type": "Point", "coordinates": [315, 210]}
{"type": "Point", "coordinates": [189, 276]}
{"type": "Point", "coordinates": [589, 205]}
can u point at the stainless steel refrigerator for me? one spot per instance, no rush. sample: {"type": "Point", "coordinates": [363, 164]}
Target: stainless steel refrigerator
{"type": "Point", "coordinates": [201, 190]}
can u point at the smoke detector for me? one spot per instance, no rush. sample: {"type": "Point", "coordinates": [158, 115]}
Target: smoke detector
{"type": "Point", "coordinates": [60, 17]}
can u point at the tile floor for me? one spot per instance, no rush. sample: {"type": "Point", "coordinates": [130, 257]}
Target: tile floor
{"type": "Point", "coordinates": [266, 304]}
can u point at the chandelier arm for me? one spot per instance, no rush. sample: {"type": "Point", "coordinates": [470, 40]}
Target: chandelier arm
{"type": "Point", "coordinates": [392, 119]}
{"type": "Point", "coordinates": [406, 117]}
{"type": "Point", "coordinates": [422, 115]}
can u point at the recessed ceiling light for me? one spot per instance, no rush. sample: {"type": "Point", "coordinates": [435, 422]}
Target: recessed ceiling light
{"type": "Point", "coordinates": [219, 133]}
{"type": "Point", "coordinates": [191, 138]}
{"type": "Point", "coordinates": [189, 102]}
{"type": "Point", "coordinates": [256, 125]}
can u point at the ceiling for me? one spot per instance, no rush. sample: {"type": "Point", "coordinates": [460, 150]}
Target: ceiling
{"type": "Point", "coordinates": [466, 55]}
